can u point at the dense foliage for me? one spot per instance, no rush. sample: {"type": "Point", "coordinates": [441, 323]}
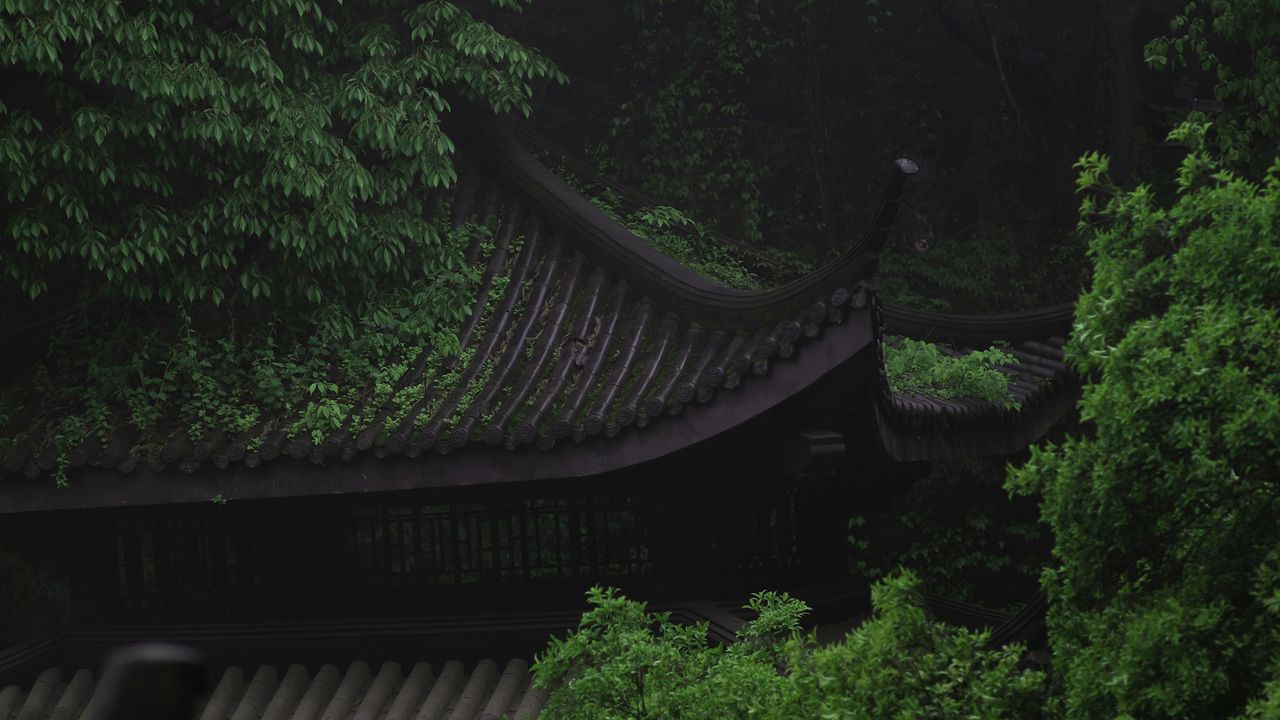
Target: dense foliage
{"type": "Point", "coordinates": [774, 122]}
{"type": "Point", "coordinates": [253, 197]}
{"type": "Point", "coordinates": [667, 229]}
{"type": "Point", "coordinates": [689, 132]}
{"type": "Point", "coordinates": [1236, 40]}
{"type": "Point", "coordinates": [1166, 584]}
{"type": "Point", "coordinates": [914, 366]}
{"type": "Point", "coordinates": [281, 149]}
{"type": "Point", "coordinates": [993, 271]}
{"type": "Point", "coordinates": [250, 195]}
{"type": "Point", "coordinates": [959, 532]}
{"type": "Point", "coordinates": [624, 662]}
{"type": "Point", "coordinates": [1165, 596]}
{"type": "Point", "coordinates": [1166, 592]}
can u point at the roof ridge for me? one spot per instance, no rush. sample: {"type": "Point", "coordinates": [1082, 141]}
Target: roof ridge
{"type": "Point", "coordinates": [654, 273]}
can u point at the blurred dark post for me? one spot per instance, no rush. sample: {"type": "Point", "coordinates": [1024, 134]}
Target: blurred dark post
{"type": "Point", "coordinates": [153, 681]}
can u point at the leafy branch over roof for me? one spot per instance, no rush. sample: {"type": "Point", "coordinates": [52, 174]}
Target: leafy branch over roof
{"type": "Point", "coordinates": [283, 149]}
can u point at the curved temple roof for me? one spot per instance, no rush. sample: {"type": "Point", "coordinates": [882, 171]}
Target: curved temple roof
{"type": "Point", "coordinates": [595, 334]}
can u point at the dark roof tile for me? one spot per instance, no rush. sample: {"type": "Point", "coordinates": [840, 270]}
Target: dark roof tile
{"type": "Point", "coordinates": [487, 693]}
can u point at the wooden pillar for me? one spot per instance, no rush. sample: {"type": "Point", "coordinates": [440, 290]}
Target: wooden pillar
{"type": "Point", "coordinates": [822, 532]}
{"type": "Point", "coordinates": [677, 515]}
{"type": "Point", "coordinates": [89, 547]}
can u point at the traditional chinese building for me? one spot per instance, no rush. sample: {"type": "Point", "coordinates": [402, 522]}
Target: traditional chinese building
{"type": "Point", "coordinates": [621, 420]}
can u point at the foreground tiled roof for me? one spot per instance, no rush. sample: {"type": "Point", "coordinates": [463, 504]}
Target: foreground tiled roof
{"type": "Point", "coordinates": [484, 691]}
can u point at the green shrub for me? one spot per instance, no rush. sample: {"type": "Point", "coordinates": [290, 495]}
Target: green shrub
{"type": "Point", "coordinates": [279, 149]}
{"type": "Point", "coordinates": [623, 662]}
{"type": "Point", "coordinates": [902, 664]}
{"type": "Point", "coordinates": [1239, 41]}
{"type": "Point", "coordinates": [253, 191]}
{"type": "Point", "coordinates": [997, 270]}
{"type": "Point", "coordinates": [920, 367]}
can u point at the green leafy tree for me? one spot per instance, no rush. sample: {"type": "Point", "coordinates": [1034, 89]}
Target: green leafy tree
{"type": "Point", "coordinates": [282, 149]}
{"type": "Point", "coordinates": [1239, 40]}
{"type": "Point", "coordinates": [688, 137]}
{"type": "Point", "coordinates": [959, 532]}
{"type": "Point", "coordinates": [1166, 588]}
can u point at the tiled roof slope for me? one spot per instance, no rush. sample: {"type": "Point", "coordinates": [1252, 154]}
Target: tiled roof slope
{"type": "Point", "coordinates": [486, 691]}
{"type": "Point", "coordinates": [916, 427]}
{"type": "Point", "coordinates": [580, 332]}
{"type": "Point", "coordinates": [595, 334]}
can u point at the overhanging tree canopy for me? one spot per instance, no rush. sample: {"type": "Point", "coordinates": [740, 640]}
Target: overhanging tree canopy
{"type": "Point", "coordinates": [195, 151]}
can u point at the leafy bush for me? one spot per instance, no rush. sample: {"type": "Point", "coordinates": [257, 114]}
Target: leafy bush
{"type": "Point", "coordinates": [215, 372]}
{"type": "Point", "coordinates": [623, 662]}
{"type": "Point", "coordinates": [902, 664]}
{"type": "Point", "coordinates": [686, 240]}
{"type": "Point", "coordinates": [998, 270]}
{"type": "Point", "coordinates": [920, 367]}
{"type": "Point", "coordinates": [684, 133]}
{"type": "Point", "coordinates": [1164, 599]}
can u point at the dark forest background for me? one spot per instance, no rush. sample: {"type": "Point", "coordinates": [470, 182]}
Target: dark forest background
{"type": "Point", "coordinates": [1120, 154]}
{"type": "Point", "coordinates": [775, 122]}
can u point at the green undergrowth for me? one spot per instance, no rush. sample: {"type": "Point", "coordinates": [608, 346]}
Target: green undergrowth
{"type": "Point", "coordinates": [914, 366]}
{"type": "Point", "coordinates": [1165, 590]}
{"type": "Point", "coordinates": [996, 269]}
{"type": "Point", "coordinates": [689, 242]}
{"type": "Point", "coordinates": [229, 372]}
{"type": "Point", "coordinates": [684, 239]}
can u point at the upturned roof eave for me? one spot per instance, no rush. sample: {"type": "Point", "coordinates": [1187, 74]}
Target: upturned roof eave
{"type": "Point", "coordinates": [655, 273]}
